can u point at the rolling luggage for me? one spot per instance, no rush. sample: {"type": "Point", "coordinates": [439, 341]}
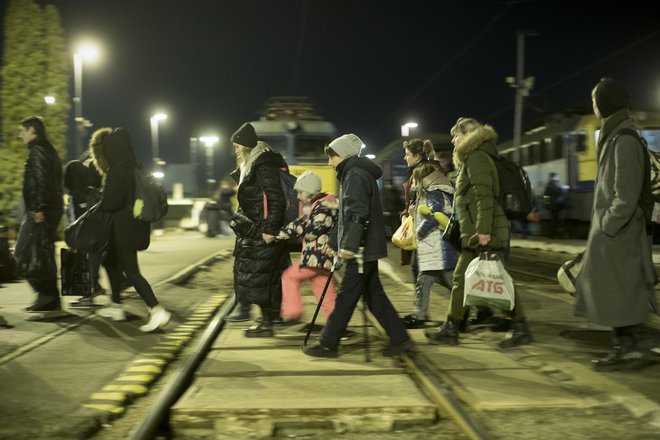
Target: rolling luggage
{"type": "Point", "coordinates": [76, 273]}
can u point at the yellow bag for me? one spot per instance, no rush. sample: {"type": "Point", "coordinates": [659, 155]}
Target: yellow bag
{"type": "Point", "coordinates": [405, 236]}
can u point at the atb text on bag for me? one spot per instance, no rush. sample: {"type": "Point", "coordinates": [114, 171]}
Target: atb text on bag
{"type": "Point", "coordinates": [487, 283]}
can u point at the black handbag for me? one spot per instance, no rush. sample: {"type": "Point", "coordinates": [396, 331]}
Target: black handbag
{"type": "Point", "coordinates": [452, 233]}
{"type": "Point", "coordinates": [35, 252]}
{"type": "Point", "coordinates": [91, 231]}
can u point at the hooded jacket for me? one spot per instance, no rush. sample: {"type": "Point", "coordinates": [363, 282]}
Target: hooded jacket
{"type": "Point", "coordinates": [119, 192]}
{"type": "Point", "coordinates": [42, 181]}
{"type": "Point", "coordinates": [359, 202]}
{"type": "Point", "coordinates": [475, 202]}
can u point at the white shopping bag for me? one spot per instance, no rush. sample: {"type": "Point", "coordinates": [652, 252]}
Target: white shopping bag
{"type": "Point", "coordinates": [487, 283]}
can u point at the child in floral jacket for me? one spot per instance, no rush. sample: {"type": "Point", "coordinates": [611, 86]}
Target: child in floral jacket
{"type": "Point", "coordinates": [317, 254]}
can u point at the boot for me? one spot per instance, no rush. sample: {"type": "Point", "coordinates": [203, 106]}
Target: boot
{"type": "Point", "coordinates": [158, 318]}
{"type": "Point", "coordinates": [264, 329]}
{"type": "Point", "coordinates": [114, 311]}
{"type": "Point", "coordinates": [625, 355]}
{"type": "Point", "coordinates": [446, 334]}
{"type": "Point", "coordinates": [518, 335]}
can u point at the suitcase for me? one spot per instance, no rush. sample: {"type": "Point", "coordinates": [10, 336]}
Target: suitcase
{"type": "Point", "coordinates": [76, 274]}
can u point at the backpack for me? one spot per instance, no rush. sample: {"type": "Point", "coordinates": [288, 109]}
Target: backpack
{"type": "Point", "coordinates": [515, 191]}
{"type": "Point", "coordinates": [293, 207]}
{"type": "Point", "coordinates": [651, 190]}
{"type": "Point", "coordinates": [150, 198]}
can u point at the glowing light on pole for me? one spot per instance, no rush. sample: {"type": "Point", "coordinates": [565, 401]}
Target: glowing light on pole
{"type": "Point", "coordinates": [86, 51]}
{"type": "Point", "coordinates": [209, 142]}
{"type": "Point", "coordinates": [405, 128]}
{"type": "Point", "coordinates": [155, 119]}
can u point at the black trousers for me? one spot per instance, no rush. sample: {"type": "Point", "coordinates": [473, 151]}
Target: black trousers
{"type": "Point", "coordinates": [46, 290]}
{"type": "Point", "coordinates": [120, 261]}
{"type": "Point", "coordinates": [353, 286]}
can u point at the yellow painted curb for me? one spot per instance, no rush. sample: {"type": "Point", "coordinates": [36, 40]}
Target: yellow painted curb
{"type": "Point", "coordinates": [127, 388]}
{"type": "Point", "coordinates": [118, 397]}
{"type": "Point", "coordinates": [144, 369]}
{"type": "Point", "coordinates": [103, 407]}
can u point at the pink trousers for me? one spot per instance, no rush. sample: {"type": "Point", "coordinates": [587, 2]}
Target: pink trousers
{"type": "Point", "coordinates": [292, 278]}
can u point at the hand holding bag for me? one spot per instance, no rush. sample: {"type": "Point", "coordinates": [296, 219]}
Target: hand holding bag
{"type": "Point", "coordinates": [452, 233]}
{"type": "Point", "coordinates": [568, 273]}
{"type": "Point", "coordinates": [242, 225]}
{"type": "Point", "coordinates": [91, 231]}
{"type": "Point", "coordinates": [405, 236]}
{"type": "Point", "coordinates": [487, 283]}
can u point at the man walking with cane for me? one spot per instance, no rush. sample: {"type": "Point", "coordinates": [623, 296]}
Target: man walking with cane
{"type": "Point", "coordinates": [360, 214]}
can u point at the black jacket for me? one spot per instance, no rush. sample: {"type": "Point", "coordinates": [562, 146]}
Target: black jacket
{"type": "Point", "coordinates": [119, 193]}
{"type": "Point", "coordinates": [359, 201]}
{"type": "Point", "coordinates": [258, 266]}
{"type": "Point", "coordinates": [42, 181]}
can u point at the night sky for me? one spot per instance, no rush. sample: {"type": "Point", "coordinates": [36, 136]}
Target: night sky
{"type": "Point", "coordinates": [368, 65]}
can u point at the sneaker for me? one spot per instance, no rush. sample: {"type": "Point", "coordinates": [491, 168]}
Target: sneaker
{"type": "Point", "coordinates": [238, 316]}
{"type": "Point", "coordinates": [98, 290]}
{"type": "Point", "coordinates": [318, 350]}
{"type": "Point", "coordinates": [411, 322]}
{"type": "Point", "coordinates": [48, 306]}
{"type": "Point", "coordinates": [83, 302]}
{"type": "Point", "coordinates": [158, 318]}
{"type": "Point", "coordinates": [259, 331]}
{"type": "Point", "coordinates": [114, 311]}
{"type": "Point", "coordinates": [396, 349]}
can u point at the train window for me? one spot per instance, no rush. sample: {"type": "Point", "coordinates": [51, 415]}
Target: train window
{"type": "Point", "coordinates": [310, 148]}
{"type": "Point", "coordinates": [277, 143]}
{"type": "Point", "coordinates": [581, 142]}
{"type": "Point", "coordinates": [557, 148]}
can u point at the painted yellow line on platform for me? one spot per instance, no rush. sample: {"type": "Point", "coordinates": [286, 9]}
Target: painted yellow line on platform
{"type": "Point", "coordinates": [144, 369]}
{"type": "Point", "coordinates": [152, 360]}
{"type": "Point", "coordinates": [127, 388]}
{"type": "Point", "coordinates": [107, 408]}
{"type": "Point", "coordinates": [119, 397]}
{"type": "Point", "coordinates": [145, 378]}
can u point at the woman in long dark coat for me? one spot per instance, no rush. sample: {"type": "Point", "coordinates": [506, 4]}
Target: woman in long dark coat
{"type": "Point", "coordinates": [258, 260]}
{"type": "Point", "coordinates": [114, 157]}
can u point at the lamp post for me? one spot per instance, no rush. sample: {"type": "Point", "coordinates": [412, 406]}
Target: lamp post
{"type": "Point", "coordinates": [89, 52]}
{"type": "Point", "coordinates": [405, 128]}
{"type": "Point", "coordinates": [154, 136]}
{"type": "Point", "coordinates": [50, 100]}
{"type": "Point", "coordinates": [209, 142]}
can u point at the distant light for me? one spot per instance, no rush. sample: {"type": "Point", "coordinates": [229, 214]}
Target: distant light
{"type": "Point", "coordinates": [209, 141]}
{"type": "Point", "coordinates": [405, 128]}
{"type": "Point", "coordinates": [159, 117]}
{"type": "Point", "coordinates": [370, 156]}
{"type": "Point", "coordinates": [158, 174]}
{"type": "Point", "coordinates": [88, 51]}
{"type": "Point", "coordinates": [49, 100]}
{"type": "Point", "coordinates": [410, 124]}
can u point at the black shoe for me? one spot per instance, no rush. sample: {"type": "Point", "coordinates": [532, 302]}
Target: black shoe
{"type": "Point", "coordinates": [49, 306]}
{"type": "Point", "coordinates": [518, 335]}
{"type": "Point", "coordinates": [238, 316]}
{"type": "Point", "coordinates": [626, 356]}
{"type": "Point", "coordinates": [259, 331]}
{"type": "Point", "coordinates": [275, 321]}
{"type": "Point", "coordinates": [318, 350]}
{"type": "Point", "coordinates": [484, 317]}
{"type": "Point", "coordinates": [396, 349]}
{"type": "Point", "coordinates": [446, 334]}
{"type": "Point", "coordinates": [411, 322]}
{"type": "Point", "coordinates": [501, 327]}
{"type": "Point", "coordinates": [348, 334]}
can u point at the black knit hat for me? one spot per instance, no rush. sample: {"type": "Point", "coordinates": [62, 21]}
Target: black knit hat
{"type": "Point", "coordinates": [245, 136]}
{"type": "Point", "coordinates": [611, 95]}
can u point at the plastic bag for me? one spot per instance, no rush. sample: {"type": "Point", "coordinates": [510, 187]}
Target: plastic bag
{"type": "Point", "coordinates": [487, 283]}
{"type": "Point", "coordinates": [405, 236]}
{"type": "Point", "coordinates": [35, 252]}
{"type": "Point", "coordinates": [568, 273]}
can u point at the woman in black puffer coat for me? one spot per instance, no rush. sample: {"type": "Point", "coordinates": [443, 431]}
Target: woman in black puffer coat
{"type": "Point", "coordinates": [113, 156]}
{"type": "Point", "coordinates": [258, 260]}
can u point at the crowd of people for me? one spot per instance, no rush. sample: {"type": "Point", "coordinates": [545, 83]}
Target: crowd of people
{"type": "Point", "coordinates": [350, 229]}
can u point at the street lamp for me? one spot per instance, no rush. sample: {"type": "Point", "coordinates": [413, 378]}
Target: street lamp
{"type": "Point", "coordinates": [405, 128]}
{"type": "Point", "coordinates": [50, 100]}
{"type": "Point", "coordinates": [88, 52]}
{"type": "Point", "coordinates": [154, 135]}
{"type": "Point", "coordinates": [209, 142]}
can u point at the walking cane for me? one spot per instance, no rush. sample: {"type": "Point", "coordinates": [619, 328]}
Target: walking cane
{"type": "Point", "coordinates": [335, 266]}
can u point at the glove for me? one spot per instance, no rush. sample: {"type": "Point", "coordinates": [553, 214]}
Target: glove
{"type": "Point", "coordinates": [442, 220]}
{"type": "Point", "coordinates": [424, 210]}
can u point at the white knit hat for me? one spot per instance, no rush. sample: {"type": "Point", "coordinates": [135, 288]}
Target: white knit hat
{"type": "Point", "coordinates": [308, 182]}
{"type": "Point", "coordinates": [347, 145]}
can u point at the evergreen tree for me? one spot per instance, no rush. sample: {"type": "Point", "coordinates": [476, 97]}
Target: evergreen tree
{"type": "Point", "coordinates": [33, 66]}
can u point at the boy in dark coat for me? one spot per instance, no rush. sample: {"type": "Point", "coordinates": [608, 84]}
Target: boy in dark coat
{"type": "Point", "coordinates": [362, 242]}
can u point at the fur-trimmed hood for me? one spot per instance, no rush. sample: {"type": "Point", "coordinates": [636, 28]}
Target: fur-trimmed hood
{"type": "Point", "coordinates": [482, 135]}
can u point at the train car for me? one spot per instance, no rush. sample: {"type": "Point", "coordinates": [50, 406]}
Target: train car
{"type": "Point", "coordinates": [290, 125]}
{"type": "Point", "coordinates": [566, 145]}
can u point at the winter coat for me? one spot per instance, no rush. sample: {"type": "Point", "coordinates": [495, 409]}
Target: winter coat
{"type": "Point", "coordinates": [258, 266]}
{"type": "Point", "coordinates": [315, 231]}
{"type": "Point", "coordinates": [359, 201]}
{"type": "Point", "coordinates": [119, 193]}
{"type": "Point", "coordinates": [433, 253]}
{"type": "Point", "coordinates": [616, 284]}
{"type": "Point", "coordinates": [42, 182]}
{"type": "Point", "coordinates": [83, 182]}
{"type": "Point", "coordinates": [475, 203]}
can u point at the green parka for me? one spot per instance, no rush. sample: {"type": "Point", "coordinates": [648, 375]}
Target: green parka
{"type": "Point", "coordinates": [475, 203]}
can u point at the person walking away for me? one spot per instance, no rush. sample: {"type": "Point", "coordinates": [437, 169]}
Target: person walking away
{"type": "Point", "coordinates": [436, 259]}
{"type": "Point", "coordinates": [554, 199]}
{"type": "Point", "coordinates": [43, 197]}
{"type": "Point", "coordinates": [317, 255]}
{"type": "Point", "coordinates": [616, 284]}
{"type": "Point", "coordinates": [258, 260]}
{"type": "Point", "coordinates": [360, 225]}
{"type": "Point", "coordinates": [83, 182]}
{"type": "Point", "coordinates": [482, 224]}
{"type": "Point", "coordinates": [114, 157]}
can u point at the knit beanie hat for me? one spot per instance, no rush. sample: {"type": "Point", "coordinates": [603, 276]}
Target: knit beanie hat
{"type": "Point", "coordinates": [611, 95]}
{"type": "Point", "coordinates": [308, 182]}
{"type": "Point", "coordinates": [347, 145]}
{"type": "Point", "coordinates": [245, 136]}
